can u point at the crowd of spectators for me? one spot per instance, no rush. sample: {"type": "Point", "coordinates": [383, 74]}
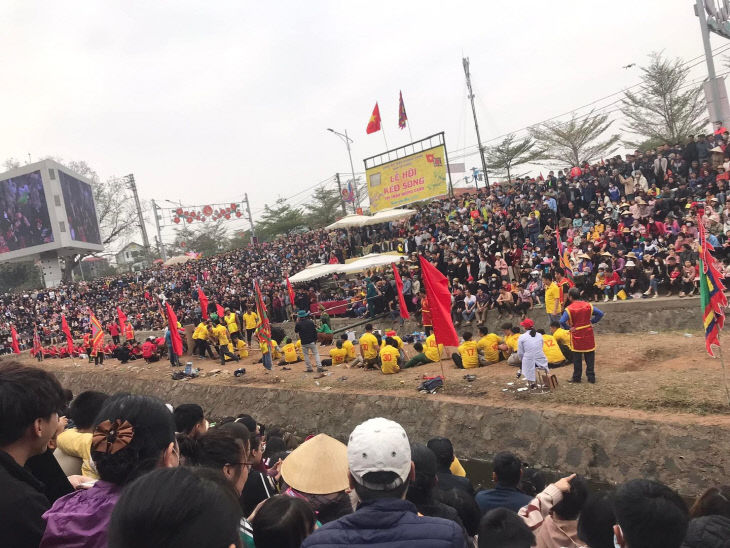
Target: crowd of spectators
{"type": "Point", "coordinates": [629, 226]}
{"type": "Point", "coordinates": [129, 471]}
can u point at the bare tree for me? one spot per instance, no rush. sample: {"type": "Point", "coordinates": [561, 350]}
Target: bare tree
{"type": "Point", "coordinates": [665, 108]}
{"type": "Point", "coordinates": [511, 153]}
{"type": "Point", "coordinates": [576, 141]}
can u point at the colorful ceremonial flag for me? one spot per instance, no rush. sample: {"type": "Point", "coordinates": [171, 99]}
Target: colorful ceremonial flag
{"type": "Point", "coordinates": [439, 297]}
{"type": "Point", "coordinates": [564, 258]}
{"type": "Point", "coordinates": [402, 116]}
{"type": "Point", "coordinates": [374, 122]}
{"type": "Point", "coordinates": [67, 332]}
{"type": "Point", "coordinates": [122, 320]}
{"type": "Point", "coordinates": [291, 292]}
{"type": "Point", "coordinates": [263, 330]}
{"type": "Point", "coordinates": [14, 337]}
{"type": "Point", "coordinates": [177, 345]}
{"type": "Point", "coordinates": [203, 303]}
{"type": "Point", "coordinates": [399, 287]}
{"type": "Point", "coordinates": [712, 291]}
{"type": "Point", "coordinates": [97, 333]}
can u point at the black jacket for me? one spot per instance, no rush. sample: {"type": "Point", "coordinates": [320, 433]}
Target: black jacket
{"type": "Point", "coordinates": [708, 532]}
{"type": "Point", "coordinates": [306, 330]}
{"type": "Point", "coordinates": [22, 504]}
{"type": "Point", "coordinates": [447, 480]}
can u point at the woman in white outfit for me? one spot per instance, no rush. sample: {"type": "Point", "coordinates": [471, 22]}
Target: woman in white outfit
{"type": "Point", "coordinates": [529, 350]}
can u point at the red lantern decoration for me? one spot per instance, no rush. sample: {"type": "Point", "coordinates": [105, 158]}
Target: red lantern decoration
{"type": "Point", "coordinates": [182, 244]}
{"type": "Point", "coordinates": [576, 172]}
{"type": "Point", "coordinates": [176, 220]}
{"type": "Point", "coordinates": [207, 211]}
{"type": "Point", "coordinates": [228, 210]}
{"type": "Point", "coordinates": [234, 206]}
{"type": "Point", "coordinates": [238, 214]}
{"type": "Point", "coordinates": [190, 219]}
{"type": "Point", "coordinates": [179, 211]}
{"type": "Point", "coordinates": [202, 219]}
{"type": "Point", "coordinates": [228, 216]}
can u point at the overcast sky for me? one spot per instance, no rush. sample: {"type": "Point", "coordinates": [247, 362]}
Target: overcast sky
{"type": "Point", "coordinates": [204, 101]}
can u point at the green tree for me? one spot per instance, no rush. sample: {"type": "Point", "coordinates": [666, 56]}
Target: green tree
{"type": "Point", "coordinates": [20, 275]}
{"type": "Point", "coordinates": [511, 153]}
{"type": "Point", "coordinates": [280, 218]}
{"type": "Point", "coordinates": [576, 141]}
{"type": "Point", "coordinates": [325, 207]}
{"type": "Point", "coordinates": [665, 108]}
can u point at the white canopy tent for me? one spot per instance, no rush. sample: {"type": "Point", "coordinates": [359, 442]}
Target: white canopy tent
{"type": "Point", "coordinates": [385, 216]}
{"type": "Point", "coordinates": [177, 259]}
{"type": "Point", "coordinates": [319, 270]}
{"type": "Point", "coordinates": [347, 222]}
{"type": "Point", "coordinates": [314, 271]}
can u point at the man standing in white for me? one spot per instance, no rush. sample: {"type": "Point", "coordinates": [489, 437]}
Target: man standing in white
{"type": "Point", "coordinates": [529, 350]}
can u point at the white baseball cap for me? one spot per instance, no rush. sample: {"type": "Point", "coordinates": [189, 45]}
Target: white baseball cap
{"type": "Point", "coordinates": [379, 445]}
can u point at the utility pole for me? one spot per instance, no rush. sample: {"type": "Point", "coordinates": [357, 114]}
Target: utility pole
{"type": "Point", "coordinates": [715, 93]}
{"type": "Point", "coordinates": [160, 245]}
{"type": "Point", "coordinates": [250, 218]}
{"type": "Point", "coordinates": [339, 188]}
{"type": "Point", "coordinates": [465, 62]}
{"type": "Point", "coordinates": [347, 141]}
{"type": "Point", "coordinates": [140, 218]}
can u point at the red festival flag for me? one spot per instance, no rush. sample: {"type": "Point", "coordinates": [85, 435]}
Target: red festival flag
{"type": "Point", "coordinates": [203, 304]}
{"type": "Point", "coordinates": [177, 345]}
{"type": "Point", "coordinates": [712, 291]}
{"type": "Point", "coordinates": [439, 297]}
{"type": "Point", "coordinates": [122, 320]}
{"type": "Point", "coordinates": [374, 122]}
{"type": "Point", "coordinates": [291, 292]}
{"type": "Point", "coordinates": [402, 116]}
{"type": "Point", "coordinates": [67, 332]}
{"type": "Point", "coordinates": [401, 299]}
{"type": "Point", "coordinates": [14, 337]}
{"type": "Point", "coordinates": [220, 311]}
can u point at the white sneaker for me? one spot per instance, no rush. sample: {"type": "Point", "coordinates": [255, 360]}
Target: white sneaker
{"type": "Point", "coordinates": [605, 298]}
{"type": "Point", "coordinates": [615, 298]}
{"type": "Point", "coordinates": [655, 295]}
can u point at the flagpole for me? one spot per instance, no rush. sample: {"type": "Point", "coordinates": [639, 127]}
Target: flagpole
{"type": "Point", "coordinates": [724, 372]}
{"type": "Point", "coordinates": [384, 139]}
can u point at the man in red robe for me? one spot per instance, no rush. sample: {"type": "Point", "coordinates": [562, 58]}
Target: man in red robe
{"type": "Point", "coordinates": [579, 317]}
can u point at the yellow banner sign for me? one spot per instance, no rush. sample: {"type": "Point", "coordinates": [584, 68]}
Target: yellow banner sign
{"type": "Point", "coordinates": [411, 179]}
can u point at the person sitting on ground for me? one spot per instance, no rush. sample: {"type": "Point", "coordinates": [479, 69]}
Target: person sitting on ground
{"type": "Point", "coordinates": [390, 357]}
{"type": "Point", "coordinates": [560, 527]}
{"type": "Point", "coordinates": [324, 334]}
{"type": "Point", "coordinates": [347, 345]}
{"type": "Point", "coordinates": [468, 355]}
{"type": "Point", "coordinates": [282, 522]}
{"type": "Point", "coordinates": [433, 351]}
{"type": "Point", "coordinates": [369, 348]}
{"type": "Point", "coordinates": [507, 471]}
{"type": "Point", "coordinates": [444, 451]}
{"type": "Point", "coordinates": [149, 350]}
{"type": "Point", "coordinates": [132, 436]}
{"type": "Point", "coordinates": [649, 515]}
{"type": "Point", "coordinates": [29, 402]}
{"type": "Point", "coordinates": [422, 490]}
{"type": "Point", "coordinates": [380, 470]}
{"type": "Point", "coordinates": [710, 523]}
{"type": "Point", "coordinates": [488, 346]}
{"type": "Point", "coordinates": [420, 357]}
{"type": "Point", "coordinates": [291, 354]}
{"type": "Point", "coordinates": [123, 353]}
{"type": "Point", "coordinates": [176, 508]}
{"type": "Point", "coordinates": [241, 348]}
{"type": "Point", "coordinates": [337, 355]}
{"type": "Point", "coordinates": [562, 337]}
{"type": "Point", "coordinates": [190, 420]}
{"type": "Point", "coordinates": [400, 346]}
{"type": "Point", "coordinates": [76, 441]}
{"type": "Point", "coordinates": [551, 350]}
{"type": "Point", "coordinates": [502, 528]}
{"type": "Point", "coordinates": [511, 336]}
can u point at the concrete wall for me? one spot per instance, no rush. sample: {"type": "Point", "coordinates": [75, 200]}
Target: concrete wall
{"type": "Point", "coordinates": [688, 456]}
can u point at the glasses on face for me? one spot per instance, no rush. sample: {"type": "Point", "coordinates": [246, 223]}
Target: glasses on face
{"type": "Point", "coordinates": [247, 464]}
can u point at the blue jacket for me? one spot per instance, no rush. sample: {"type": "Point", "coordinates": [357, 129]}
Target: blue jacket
{"type": "Point", "coordinates": [388, 523]}
{"type": "Point", "coordinates": [501, 497]}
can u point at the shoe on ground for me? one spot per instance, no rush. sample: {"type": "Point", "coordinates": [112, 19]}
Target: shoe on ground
{"type": "Point", "coordinates": [309, 370]}
{"type": "Point", "coordinates": [605, 298]}
{"type": "Point", "coordinates": [615, 298]}
{"type": "Point", "coordinates": [592, 381]}
{"type": "Point", "coordinates": [519, 374]}
{"type": "Point", "coordinates": [655, 295]}
{"type": "Point", "coordinates": [573, 381]}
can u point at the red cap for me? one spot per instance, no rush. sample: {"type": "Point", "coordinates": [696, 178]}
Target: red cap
{"type": "Point", "coordinates": [527, 323]}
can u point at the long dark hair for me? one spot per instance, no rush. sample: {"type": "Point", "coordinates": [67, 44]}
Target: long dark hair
{"type": "Point", "coordinates": [283, 522]}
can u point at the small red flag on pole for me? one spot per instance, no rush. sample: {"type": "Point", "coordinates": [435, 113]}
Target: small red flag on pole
{"type": "Point", "coordinates": [122, 320]}
{"type": "Point", "coordinates": [14, 337]}
{"type": "Point", "coordinates": [67, 332]}
{"type": "Point", "coordinates": [401, 299]}
{"type": "Point", "coordinates": [374, 122]}
{"type": "Point", "coordinates": [203, 303]}
{"type": "Point", "coordinates": [220, 310]}
{"type": "Point", "coordinates": [177, 345]}
{"type": "Point", "coordinates": [439, 297]}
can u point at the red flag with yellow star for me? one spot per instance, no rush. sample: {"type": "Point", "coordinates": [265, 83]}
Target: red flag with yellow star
{"type": "Point", "coordinates": [374, 123]}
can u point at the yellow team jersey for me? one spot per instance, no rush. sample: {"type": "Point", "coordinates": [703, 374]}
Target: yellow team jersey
{"type": "Point", "coordinates": [201, 332]}
{"type": "Point", "coordinates": [551, 349]}
{"type": "Point", "coordinates": [275, 350]}
{"type": "Point", "coordinates": [432, 350]}
{"type": "Point", "coordinates": [338, 356]}
{"type": "Point", "coordinates": [396, 338]}
{"type": "Point", "coordinates": [389, 360]}
{"type": "Point", "coordinates": [221, 333]}
{"type": "Point", "coordinates": [511, 341]}
{"type": "Point", "coordinates": [242, 348]}
{"type": "Point", "coordinates": [231, 350]}
{"type": "Point", "coordinates": [469, 354]}
{"type": "Point", "coordinates": [369, 346]}
{"type": "Point", "coordinates": [290, 353]}
{"type": "Point", "coordinates": [487, 345]}
{"type": "Point", "coordinates": [78, 444]}
{"type": "Point", "coordinates": [231, 322]}
{"type": "Point", "coordinates": [250, 320]}
{"type": "Point", "coordinates": [300, 352]}
{"type": "Point", "coordinates": [552, 294]}
{"type": "Point", "coordinates": [350, 348]}
{"type": "Point", "coordinates": [563, 337]}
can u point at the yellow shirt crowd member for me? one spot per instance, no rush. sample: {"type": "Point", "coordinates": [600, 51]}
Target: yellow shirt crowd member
{"type": "Point", "coordinates": [552, 294]}
{"type": "Point", "coordinates": [231, 350]}
{"type": "Point", "coordinates": [242, 348]}
{"type": "Point", "coordinates": [298, 346]}
{"type": "Point", "coordinates": [389, 360]}
{"type": "Point", "coordinates": [290, 353]}
{"type": "Point", "coordinates": [201, 332]}
{"type": "Point", "coordinates": [78, 444]}
{"type": "Point", "coordinates": [511, 341]}
{"type": "Point", "coordinates": [488, 346]}
{"type": "Point", "coordinates": [432, 350]}
{"type": "Point", "coordinates": [369, 346]}
{"type": "Point", "coordinates": [221, 333]}
{"type": "Point", "coordinates": [231, 322]}
{"type": "Point", "coordinates": [469, 354]}
{"type": "Point", "coordinates": [275, 351]}
{"type": "Point", "coordinates": [338, 356]}
{"type": "Point", "coordinates": [350, 348]}
{"type": "Point", "coordinates": [551, 349]}
{"type": "Point", "coordinates": [562, 336]}
{"type": "Point", "coordinates": [250, 320]}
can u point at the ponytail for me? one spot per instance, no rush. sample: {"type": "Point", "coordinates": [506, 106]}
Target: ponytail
{"type": "Point", "coordinates": [532, 332]}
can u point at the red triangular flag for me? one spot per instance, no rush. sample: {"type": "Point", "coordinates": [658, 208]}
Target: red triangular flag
{"type": "Point", "coordinates": [439, 297]}
{"type": "Point", "coordinates": [401, 299]}
{"type": "Point", "coordinates": [177, 345]}
{"type": "Point", "coordinates": [67, 332]}
{"type": "Point", "coordinates": [203, 304]}
{"type": "Point", "coordinates": [374, 122]}
{"type": "Point", "coordinates": [14, 336]}
{"type": "Point", "coordinates": [220, 310]}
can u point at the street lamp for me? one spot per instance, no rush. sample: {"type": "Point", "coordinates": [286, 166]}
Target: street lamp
{"type": "Point", "coordinates": [347, 141]}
